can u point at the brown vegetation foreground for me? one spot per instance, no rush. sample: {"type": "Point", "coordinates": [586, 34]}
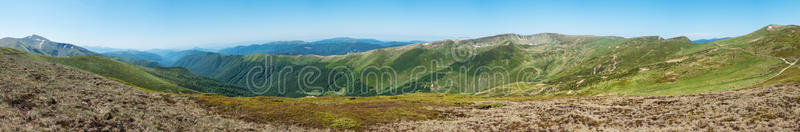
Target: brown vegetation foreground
{"type": "Point", "coordinates": [773, 108]}
{"type": "Point", "coordinates": [42, 96]}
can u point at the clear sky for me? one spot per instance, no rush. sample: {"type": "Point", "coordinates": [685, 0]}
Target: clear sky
{"type": "Point", "coordinates": [147, 24]}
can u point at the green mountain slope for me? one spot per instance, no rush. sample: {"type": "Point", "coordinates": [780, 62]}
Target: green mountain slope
{"type": "Point", "coordinates": [115, 70]}
{"type": "Point", "coordinates": [173, 80]}
{"type": "Point", "coordinates": [509, 64]}
{"type": "Point", "coordinates": [773, 40]}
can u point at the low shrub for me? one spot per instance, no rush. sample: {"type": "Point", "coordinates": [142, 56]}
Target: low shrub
{"type": "Point", "coordinates": [489, 106]}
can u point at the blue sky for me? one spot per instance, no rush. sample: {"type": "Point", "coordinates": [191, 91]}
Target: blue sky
{"type": "Point", "coordinates": [147, 24]}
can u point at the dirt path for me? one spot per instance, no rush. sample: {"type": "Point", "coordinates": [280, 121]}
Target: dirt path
{"type": "Point", "coordinates": [768, 56]}
{"type": "Point", "coordinates": [785, 68]}
{"type": "Point", "coordinates": [774, 108]}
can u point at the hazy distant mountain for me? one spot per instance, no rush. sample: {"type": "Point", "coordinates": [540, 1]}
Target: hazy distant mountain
{"type": "Point", "coordinates": [168, 56]}
{"type": "Point", "coordinates": [708, 40]}
{"type": "Point", "coordinates": [162, 57]}
{"type": "Point", "coordinates": [202, 49]}
{"type": "Point", "coordinates": [134, 54]}
{"type": "Point", "coordinates": [40, 45]}
{"type": "Point", "coordinates": [334, 46]}
{"type": "Point", "coordinates": [101, 49]}
{"type": "Point", "coordinates": [367, 41]}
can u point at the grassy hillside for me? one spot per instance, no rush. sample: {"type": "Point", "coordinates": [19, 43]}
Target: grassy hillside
{"type": "Point", "coordinates": [509, 64]}
{"type": "Point", "coordinates": [774, 40]}
{"type": "Point", "coordinates": [185, 78]}
{"type": "Point", "coordinates": [45, 96]}
{"type": "Point", "coordinates": [115, 70]}
{"type": "Point", "coordinates": [168, 79]}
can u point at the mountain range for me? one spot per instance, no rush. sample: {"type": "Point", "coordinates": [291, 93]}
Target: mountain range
{"type": "Point", "coordinates": [545, 64]}
{"type": "Point", "coordinates": [334, 46]}
{"type": "Point", "coordinates": [709, 40]}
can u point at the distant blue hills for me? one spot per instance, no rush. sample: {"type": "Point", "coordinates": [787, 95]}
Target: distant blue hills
{"type": "Point", "coordinates": [333, 46]}
{"type": "Point", "coordinates": [708, 40]}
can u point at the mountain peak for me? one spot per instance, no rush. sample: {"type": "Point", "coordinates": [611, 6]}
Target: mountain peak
{"type": "Point", "coordinates": [681, 38]}
{"type": "Point", "coordinates": [348, 39]}
{"type": "Point", "coordinates": [36, 37]}
{"type": "Point", "coordinates": [773, 27]}
{"type": "Point", "coordinates": [776, 27]}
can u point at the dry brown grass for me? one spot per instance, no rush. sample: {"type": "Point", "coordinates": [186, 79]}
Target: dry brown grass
{"type": "Point", "coordinates": [323, 112]}
{"type": "Point", "coordinates": [773, 108]}
{"type": "Point", "coordinates": [42, 96]}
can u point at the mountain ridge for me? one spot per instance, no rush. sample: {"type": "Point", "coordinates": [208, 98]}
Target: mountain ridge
{"type": "Point", "coordinates": [333, 46]}
{"type": "Point", "coordinates": [40, 45]}
{"type": "Point", "coordinates": [566, 64]}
